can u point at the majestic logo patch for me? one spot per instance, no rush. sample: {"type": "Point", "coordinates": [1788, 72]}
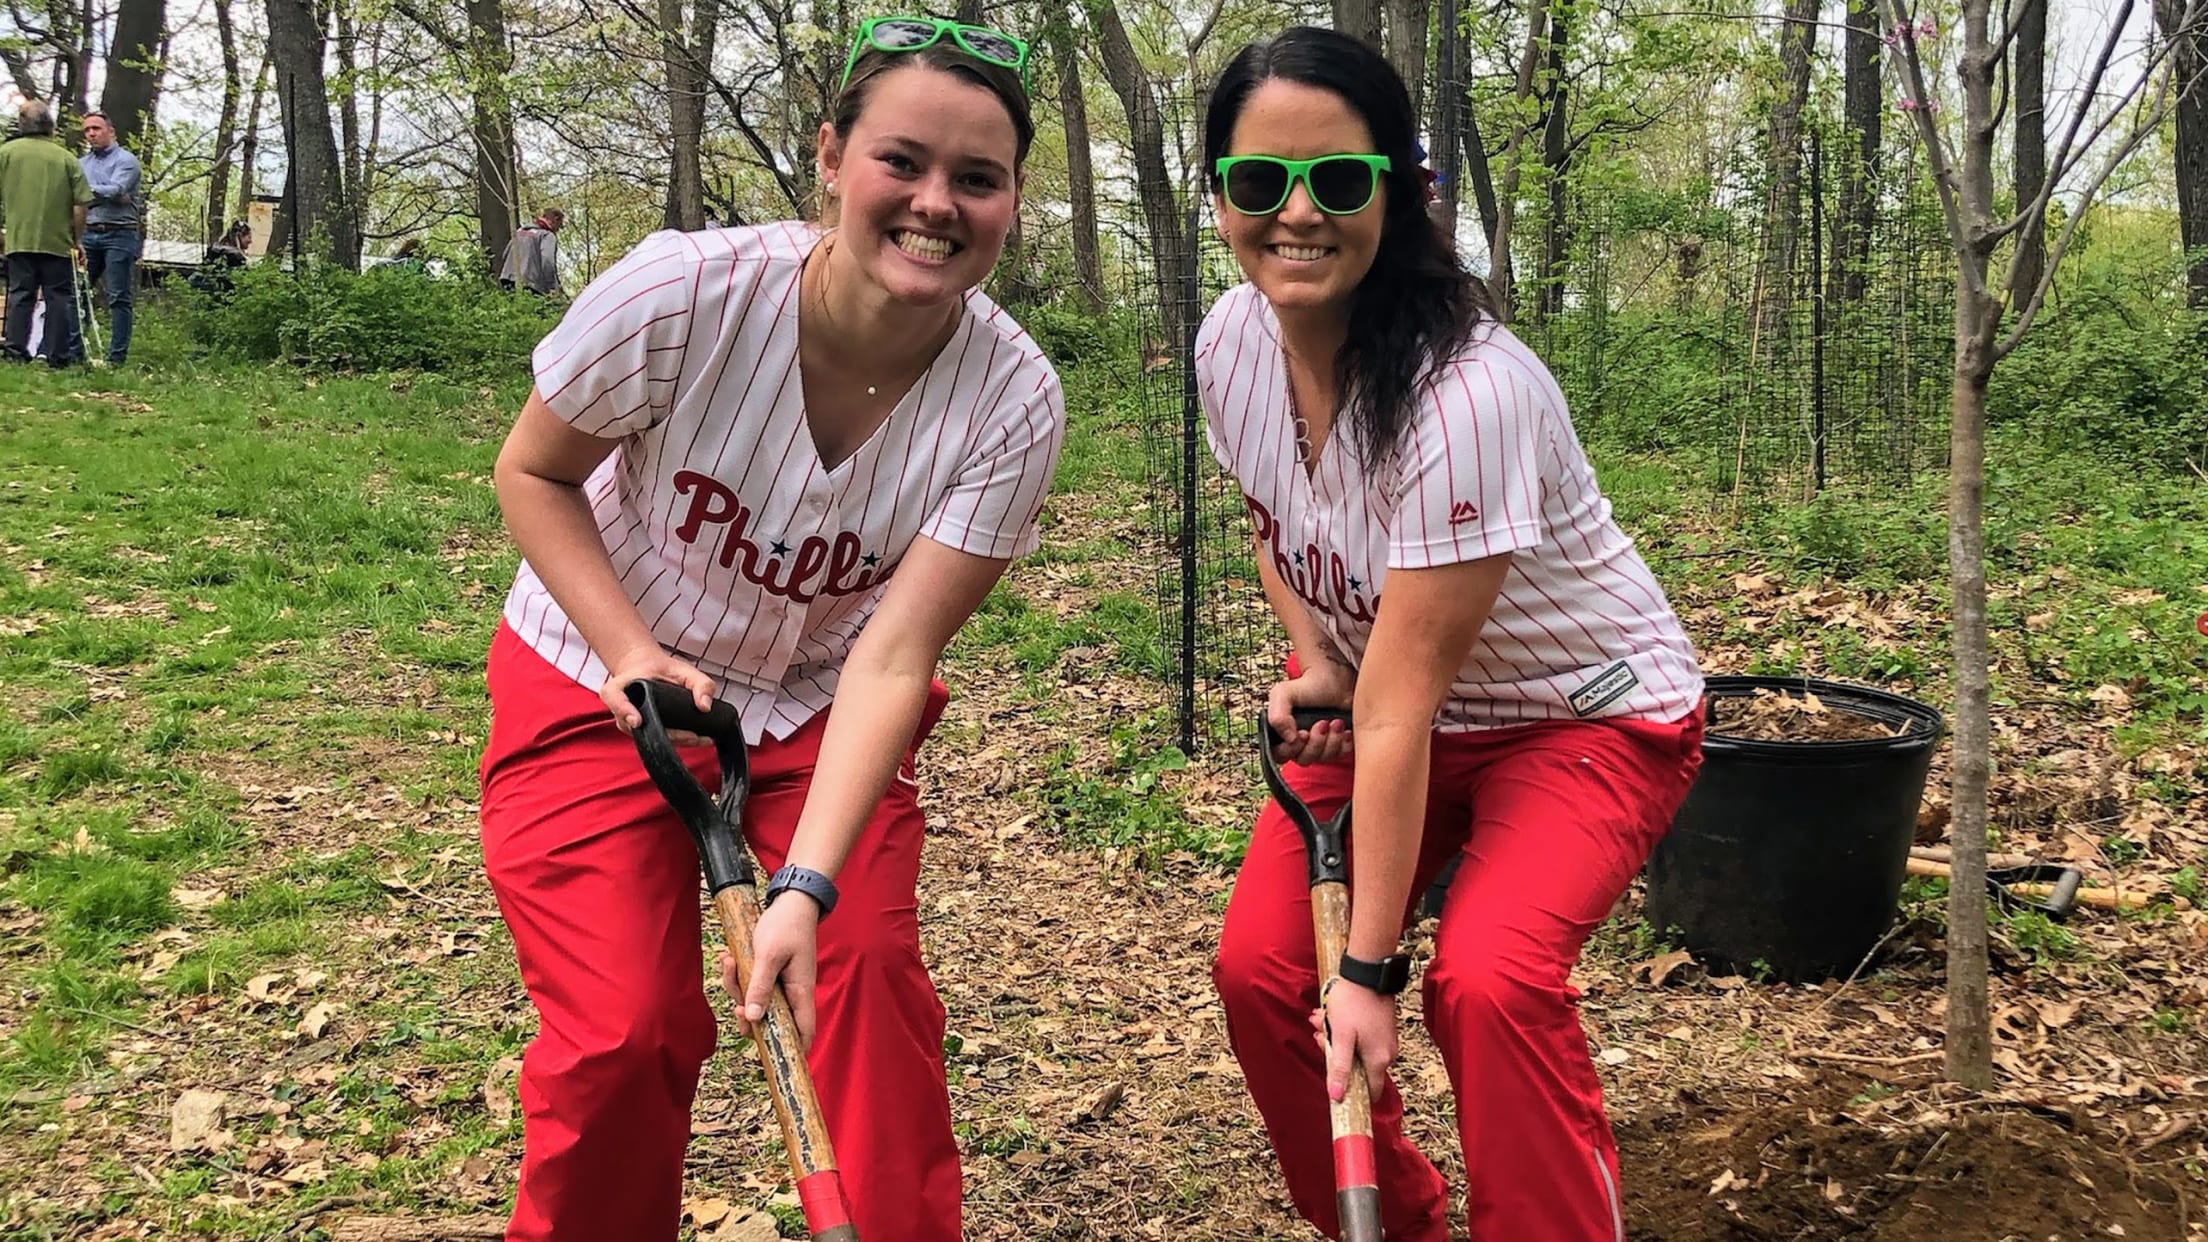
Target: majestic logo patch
{"type": "Point", "coordinates": [1462, 512]}
{"type": "Point", "coordinates": [1608, 687]}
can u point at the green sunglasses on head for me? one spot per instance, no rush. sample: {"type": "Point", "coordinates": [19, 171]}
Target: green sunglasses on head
{"type": "Point", "coordinates": [910, 34]}
{"type": "Point", "coordinates": [1339, 185]}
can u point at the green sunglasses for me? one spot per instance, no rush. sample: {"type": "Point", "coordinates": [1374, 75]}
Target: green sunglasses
{"type": "Point", "coordinates": [910, 34]}
{"type": "Point", "coordinates": [1339, 185]}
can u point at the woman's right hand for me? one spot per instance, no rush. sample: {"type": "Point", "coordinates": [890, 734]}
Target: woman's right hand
{"type": "Point", "coordinates": [1325, 684]}
{"type": "Point", "coordinates": [650, 663]}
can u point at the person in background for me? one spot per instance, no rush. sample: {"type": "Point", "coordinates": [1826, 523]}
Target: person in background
{"type": "Point", "coordinates": [43, 196]}
{"type": "Point", "coordinates": [533, 257]}
{"type": "Point", "coordinates": [112, 230]}
{"type": "Point", "coordinates": [223, 259]}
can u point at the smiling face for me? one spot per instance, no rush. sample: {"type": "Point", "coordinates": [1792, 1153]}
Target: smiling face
{"type": "Point", "coordinates": [926, 183]}
{"type": "Point", "coordinates": [1299, 257]}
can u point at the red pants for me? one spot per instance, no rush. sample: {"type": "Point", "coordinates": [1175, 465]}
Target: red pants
{"type": "Point", "coordinates": [1553, 819]}
{"type": "Point", "coordinates": [600, 884]}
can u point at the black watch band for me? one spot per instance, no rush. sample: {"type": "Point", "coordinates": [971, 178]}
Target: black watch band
{"type": "Point", "coordinates": [1388, 976]}
{"type": "Point", "coordinates": [804, 880]}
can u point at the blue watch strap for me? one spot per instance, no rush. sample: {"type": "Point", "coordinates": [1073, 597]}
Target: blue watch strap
{"type": "Point", "coordinates": [807, 881]}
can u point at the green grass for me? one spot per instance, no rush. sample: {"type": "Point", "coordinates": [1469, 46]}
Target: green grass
{"type": "Point", "coordinates": [197, 563]}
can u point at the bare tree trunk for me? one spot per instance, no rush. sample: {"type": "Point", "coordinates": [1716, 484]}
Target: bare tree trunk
{"type": "Point", "coordinates": [1447, 123]}
{"type": "Point", "coordinates": [1406, 47]}
{"type": "Point", "coordinates": [1863, 105]}
{"type": "Point", "coordinates": [226, 124]}
{"type": "Point", "coordinates": [1073, 106]}
{"type": "Point", "coordinates": [1775, 268]}
{"type": "Point", "coordinates": [1501, 280]}
{"type": "Point", "coordinates": [2190, 64]}
{"type": "Point", "coordinates": [1555, 154]}
{"type": "Point", "coordinates": [319, 214]}
{"type": "Point", "coordinates": [969, 11]}
{"type": "Point", "coordinates": [348, 114]}
{"type": "Point", "coordinates": [689, 58]}
{"type": "Point", "coordinates": [2031, 135]}
{"type": "Point", "coordinates": [133, 69]}
{"type": "Point", "coordinates": [249, 144]}
{"type": "Point", "coordinates": [1482, 176]}
{"type": "Point", "coordinates": [1359, 19]}
{"type": "Point", "coordinates": [497, 175]}
{"type": "Point", "coordinates": [1153, 184]}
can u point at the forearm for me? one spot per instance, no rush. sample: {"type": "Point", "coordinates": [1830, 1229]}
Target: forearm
{"type": "Point", "coordinates": [1305, 634]}
{"type": "Point", "coordinates": [553, 526]}
{"type": "Point", "coordinates": [1394, 751]}
{"type": "Point", "coordinates": [880, 698]}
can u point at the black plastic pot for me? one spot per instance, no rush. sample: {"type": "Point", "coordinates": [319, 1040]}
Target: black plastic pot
{"type": "Point", "coordinates": [1788, 857]}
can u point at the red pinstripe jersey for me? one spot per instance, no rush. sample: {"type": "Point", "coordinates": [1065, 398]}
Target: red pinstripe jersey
{"type": "Point", "coordinates": [744, 554]}
{"type": "Point", "coordinates": [1489, 465]}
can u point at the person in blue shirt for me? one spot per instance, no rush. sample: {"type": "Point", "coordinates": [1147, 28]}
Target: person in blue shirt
{"type": "Point", "coordinates": [112, 229]}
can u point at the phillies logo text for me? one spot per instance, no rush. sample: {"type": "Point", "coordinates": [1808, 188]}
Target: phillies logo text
{"type": "Point", "coordinates": [1327, 587]}
{"type": "Point", "coordinates": [792, 573]}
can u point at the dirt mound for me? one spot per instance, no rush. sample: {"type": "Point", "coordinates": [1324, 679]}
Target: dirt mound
{"type": "Point", "coordinates": [1803, 1168]}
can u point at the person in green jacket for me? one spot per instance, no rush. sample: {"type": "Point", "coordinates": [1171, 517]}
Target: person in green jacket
{"type": "Point", "coordinates": [43, 197]}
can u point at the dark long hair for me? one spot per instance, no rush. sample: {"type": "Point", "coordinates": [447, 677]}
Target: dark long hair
{"type": "Point", "coordinates": [1418, 305]}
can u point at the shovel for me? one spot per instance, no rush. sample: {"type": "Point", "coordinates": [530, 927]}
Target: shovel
{"type": "Point", "coordinates": [714, 827]}
{"type": "Point", "coordinates": [1356, 1176]}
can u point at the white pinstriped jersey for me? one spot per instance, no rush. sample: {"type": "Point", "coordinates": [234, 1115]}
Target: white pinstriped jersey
{"type": "Point", "coordinates": [745, 555]}
{"type": "Point", "coordinates": [1489, 465]}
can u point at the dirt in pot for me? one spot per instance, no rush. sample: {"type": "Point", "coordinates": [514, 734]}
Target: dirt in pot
{"type": "Point", "coordinates": [1768, 716]}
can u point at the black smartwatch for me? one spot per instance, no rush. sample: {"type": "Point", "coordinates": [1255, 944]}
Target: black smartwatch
{"type": "Point", "coordinates": [804, 880]}
{"type": "Point", "coordinates": [1388, 976]}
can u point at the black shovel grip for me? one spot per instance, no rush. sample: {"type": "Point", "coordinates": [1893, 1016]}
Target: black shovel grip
{"type": "Point", "coordinates": [2057, 904]}
{"type": "Point", "coordinates": [712, 823]}
{"type": "Point", "coordinates": [1322, 841]}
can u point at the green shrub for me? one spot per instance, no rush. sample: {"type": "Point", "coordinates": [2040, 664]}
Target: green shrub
{"type": "Point", "coordinates": [384, 319]}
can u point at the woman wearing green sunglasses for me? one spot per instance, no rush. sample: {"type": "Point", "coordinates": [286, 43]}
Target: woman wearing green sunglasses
{"type": "Point", "coordinates": [779, 466]}
{"type": "Point", "coordinates": [1524, 699]}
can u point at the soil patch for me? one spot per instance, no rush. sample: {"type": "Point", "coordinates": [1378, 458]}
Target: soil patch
{"type": "Point", "coordinates": [1800, 1166]}
{"type": "Point", "coordinates": [1768, 716]}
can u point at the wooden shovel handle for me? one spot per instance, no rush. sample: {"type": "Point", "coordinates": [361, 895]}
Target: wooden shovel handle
{"type": "Point", "coordinates": [2100, 898]}
{"type": "Point", "coordinates": [789, 1082]}
{"type": "Point", "coordinates": [1356, 1175]}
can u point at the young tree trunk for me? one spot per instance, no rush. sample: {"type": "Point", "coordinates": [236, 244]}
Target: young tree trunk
{"type": "Point", "coordinates": [2190, 65]}
{"type": "Point", "coordinates": [1359, 19]}
{"type": "Point", "coordinates": [1969, 1028]}
{"type": "Point", "coordinates": [1482, 176]}
{"type": "Point", "coordinates": [1775, 268]}
{"type": "Point", "coordinates": [497, 177]}
{"type": "Point", "coordinates": [319, 214]}
{"type": "Point", "coordinates": [1073, 107]}
{"type": "Point", "coordinates": [249, 143]}
{"type": "Point", "coordinates": [2030, 17]}
{"type": "Point", "coordinates": [226, 123]}
{"type": "Point", "coordinates": [1863, 106]}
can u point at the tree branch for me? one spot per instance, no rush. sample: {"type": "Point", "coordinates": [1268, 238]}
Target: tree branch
{"type": "Point", "coordinates": [1909, 68]}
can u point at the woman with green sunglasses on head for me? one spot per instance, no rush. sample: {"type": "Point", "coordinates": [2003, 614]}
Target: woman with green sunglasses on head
{"type": "Point", "coordinates": [778, 466]}
{"type": "Point", "coordinates": [1524, 699]}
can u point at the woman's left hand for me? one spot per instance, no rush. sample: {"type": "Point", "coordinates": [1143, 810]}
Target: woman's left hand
{"type": "Point", "coordinates": [783, 947]}
{"type": "Point", "coordinates": [1354, 1024]}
